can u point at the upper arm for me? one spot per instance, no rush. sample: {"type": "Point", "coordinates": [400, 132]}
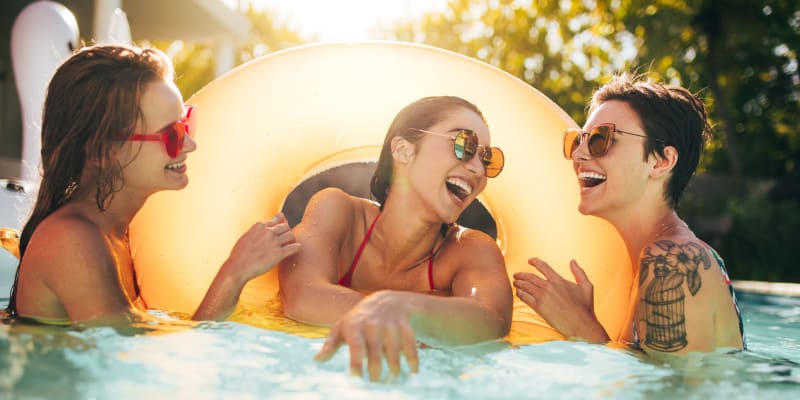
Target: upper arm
{"type": "Point", "coordinates": [677, 293]}
{"type": "Point", "coordinates": [322, 232]}
{"type": "Point", "coordinates": [482, 274]}
{"type": "Point", "coordinates": [76, 264]}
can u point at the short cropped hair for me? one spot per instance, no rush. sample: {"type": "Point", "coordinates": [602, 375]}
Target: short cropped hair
{"type": "Point", "coordinates": [667, 112]}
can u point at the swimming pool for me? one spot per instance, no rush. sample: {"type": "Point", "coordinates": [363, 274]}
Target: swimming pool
{"type": "Point", "coordinates": [237, 360]}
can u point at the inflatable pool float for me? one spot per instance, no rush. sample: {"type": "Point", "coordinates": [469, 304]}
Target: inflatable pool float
{"type": "Point", "coordinates": [269, 125]}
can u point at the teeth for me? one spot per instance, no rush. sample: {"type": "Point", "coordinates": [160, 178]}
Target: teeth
{"type": "Point", "coordinates": [176, 165]}
{"type": "Point", "coordinates": [462, 184]}
{"type": "Point", "coordinates": [591, 175]}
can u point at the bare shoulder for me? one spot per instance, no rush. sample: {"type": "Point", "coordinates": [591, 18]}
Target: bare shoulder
{"type": "Point", "coordinates": [63, 237]}
{"type": "Point", "coordinates": [331, 213]}
{"type": "Point", "coordinates": [681, 257]}
{"type": "Point", "coordinates": [330, 207]}
{"type": "Point", "coordinates": [474, 247]}
{"type": "Point", "coordinates": [64, 252]}
{"type": "Point", "coordinates": [685, 303]}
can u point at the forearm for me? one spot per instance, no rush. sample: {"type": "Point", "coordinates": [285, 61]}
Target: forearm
{"type": "Point", "coordinates": [221, 298]}
{"type": "Point", "coordinates": [318, 304]}
{"type": "Point", "coordinates": [454, 320]}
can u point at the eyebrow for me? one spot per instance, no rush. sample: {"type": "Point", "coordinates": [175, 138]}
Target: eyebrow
{"type": "Point", "coordinates": [461, 129]}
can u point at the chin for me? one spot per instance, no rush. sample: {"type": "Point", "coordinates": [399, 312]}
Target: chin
{"type": "Point", "coordinates": [181, 185]}
{"type": "Point", "coordinates": [586, 209]}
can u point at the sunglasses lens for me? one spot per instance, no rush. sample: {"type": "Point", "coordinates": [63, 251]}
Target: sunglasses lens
{"type": "Point", "coordinates": [494, 160]}
{"type": "Point", "coordinates": [190, 115]}
{"type": "Point", "coordinates": [465, 145]}
{"type": "Point", "coordinates": [458, 146]}
{"type": "Point", "coordinates": [599, 139]}
{"type": "Point", "coordinates": [174, 139]}
{"type": "Point", "coordinates": [572, 138]}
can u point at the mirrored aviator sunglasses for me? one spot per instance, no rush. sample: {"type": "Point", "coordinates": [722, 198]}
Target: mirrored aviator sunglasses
{"type": "Point", "coordinates": [465, 146]}
{"type": "Point", "coordinates": [172, 137]}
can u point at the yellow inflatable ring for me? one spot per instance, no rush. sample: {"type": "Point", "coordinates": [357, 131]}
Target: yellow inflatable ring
{"type": "Point", "coordinates": [266, 126]}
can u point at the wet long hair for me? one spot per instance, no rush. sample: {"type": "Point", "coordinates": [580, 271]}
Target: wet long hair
{"type": "Point", "coordinates": [421, 114]}
{"type": "Point", "coordinates": [92, 103]}
{"type": "Point", "coordinates": [667, 112]}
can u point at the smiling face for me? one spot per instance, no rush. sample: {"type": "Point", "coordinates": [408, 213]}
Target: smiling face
{"type": "Point", "coordinates": [614, 182]}
{"type": "Point", "coordinates": [445, 183]}
{"type": "Point", "coordinates": [146, 165]}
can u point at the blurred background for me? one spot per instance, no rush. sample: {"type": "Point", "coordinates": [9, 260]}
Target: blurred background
{"type": "Point", "coordinates": [740, 56]}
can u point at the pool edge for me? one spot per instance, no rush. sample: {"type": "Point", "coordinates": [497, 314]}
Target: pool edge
{"type": "Point", "coordinates": [776, 288]}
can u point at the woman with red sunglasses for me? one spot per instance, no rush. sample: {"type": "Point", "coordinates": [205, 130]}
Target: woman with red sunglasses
{"type": "Point", "coordinates": [641, 145]}
{"type": "Point", "coordinates": [114, 132]}
{"type": "Point", "coordinates": [382, 273]}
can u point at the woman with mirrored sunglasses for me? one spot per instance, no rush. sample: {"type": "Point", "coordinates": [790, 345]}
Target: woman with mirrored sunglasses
{"type": "Point", "coordinates": [114, 132]}
{"type": "Point", "coordinates": [638, 150]}
{"type": "Point", "coordinates": [386, 273]}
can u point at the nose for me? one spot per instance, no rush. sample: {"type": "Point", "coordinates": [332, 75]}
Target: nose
{"type": "Point", "coordinates": [475, 165]}
{"type": "Point", "coordinates": [189, 144]}
{"type": "Point", "coordinates": [582, 151]}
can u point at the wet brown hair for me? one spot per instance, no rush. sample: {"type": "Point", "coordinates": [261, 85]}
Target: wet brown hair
{"type": "Point", "coordinates": [92, 102]}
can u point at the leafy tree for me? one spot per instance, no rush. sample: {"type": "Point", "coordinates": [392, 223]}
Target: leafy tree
{"type": "Point", "coordinates": [195, 63]}
{"type": "Point", "coordinates": [741, 56]}
{"type": "Point", "coordinates": [745, 54]}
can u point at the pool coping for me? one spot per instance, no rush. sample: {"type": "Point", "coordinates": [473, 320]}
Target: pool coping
{"type": "Point", "coordinates": [777, 288]}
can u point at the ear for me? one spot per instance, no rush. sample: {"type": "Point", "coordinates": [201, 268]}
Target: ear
{"type": "Point", "coordinates": [402, 150]}
{"type": "Point", "coordinates": [664, 165]}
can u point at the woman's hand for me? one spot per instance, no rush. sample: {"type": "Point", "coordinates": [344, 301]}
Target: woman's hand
{"type": "Point", "coordinates": [376, 327]}
{"type": "Point", "coordinates": [568, 307]}
{"type": "Point", "coordinates": [262, 247]}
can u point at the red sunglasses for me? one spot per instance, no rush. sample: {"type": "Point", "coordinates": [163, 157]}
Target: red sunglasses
{"type": "Point", "coordinates": [172, 136]}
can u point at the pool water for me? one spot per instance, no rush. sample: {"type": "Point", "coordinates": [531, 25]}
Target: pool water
{"type": "Point", "coordinates": [237, 360]}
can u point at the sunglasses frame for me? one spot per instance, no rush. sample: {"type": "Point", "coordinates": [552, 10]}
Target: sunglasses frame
{"type": "Point", "coordinates": [179, 128]}
{"type": "Point", "coordinates": [580, 134]}
{"type": "Point", "coordinates": [464, 138]}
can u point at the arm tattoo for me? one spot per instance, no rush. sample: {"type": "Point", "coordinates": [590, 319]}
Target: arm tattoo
{"type": "Point", "coordinates": [664, 312]}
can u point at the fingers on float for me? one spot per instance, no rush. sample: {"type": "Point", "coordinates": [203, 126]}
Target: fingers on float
{"type": "Point", "coordinates": [544, 268]}
{"type": "Point", "coordinates": [331, 344]}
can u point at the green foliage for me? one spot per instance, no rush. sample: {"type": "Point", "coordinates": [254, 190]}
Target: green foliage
{"type": "Point", "coordinates": [195, 63]}
{"type": "Point", "coordinates": [762, 243]}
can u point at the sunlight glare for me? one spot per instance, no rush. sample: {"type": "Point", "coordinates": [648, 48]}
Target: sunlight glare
{"type": "Point", "coordinates": [342, 20]}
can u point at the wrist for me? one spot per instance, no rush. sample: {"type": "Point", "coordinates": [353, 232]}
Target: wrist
{"type": "Point", "coordinates": [230, 277]}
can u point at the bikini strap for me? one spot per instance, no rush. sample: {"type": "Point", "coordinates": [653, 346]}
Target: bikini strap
{"type": "Point", "coordinates": [348, 276]}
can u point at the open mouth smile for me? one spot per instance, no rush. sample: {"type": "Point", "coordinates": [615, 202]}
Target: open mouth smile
{"type": "Point", "coordinates": [590, 179]}
{"type": "Point", "coordinates": [459, 188]}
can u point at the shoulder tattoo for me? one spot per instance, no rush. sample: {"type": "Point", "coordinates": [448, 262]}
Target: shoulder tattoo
{"type": "Point", "coordinates": [663, 313]}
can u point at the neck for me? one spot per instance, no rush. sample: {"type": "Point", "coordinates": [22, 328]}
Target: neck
{"type": "Point", "coordinates": [404, 237]}
{"type": "Point", "coordinates": [638, 229]}
{"type": "Point", "coordinates": [117, 216]}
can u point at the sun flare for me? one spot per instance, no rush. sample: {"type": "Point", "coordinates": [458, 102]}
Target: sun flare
{"type": "Point", "coordinates": [342, 20]}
